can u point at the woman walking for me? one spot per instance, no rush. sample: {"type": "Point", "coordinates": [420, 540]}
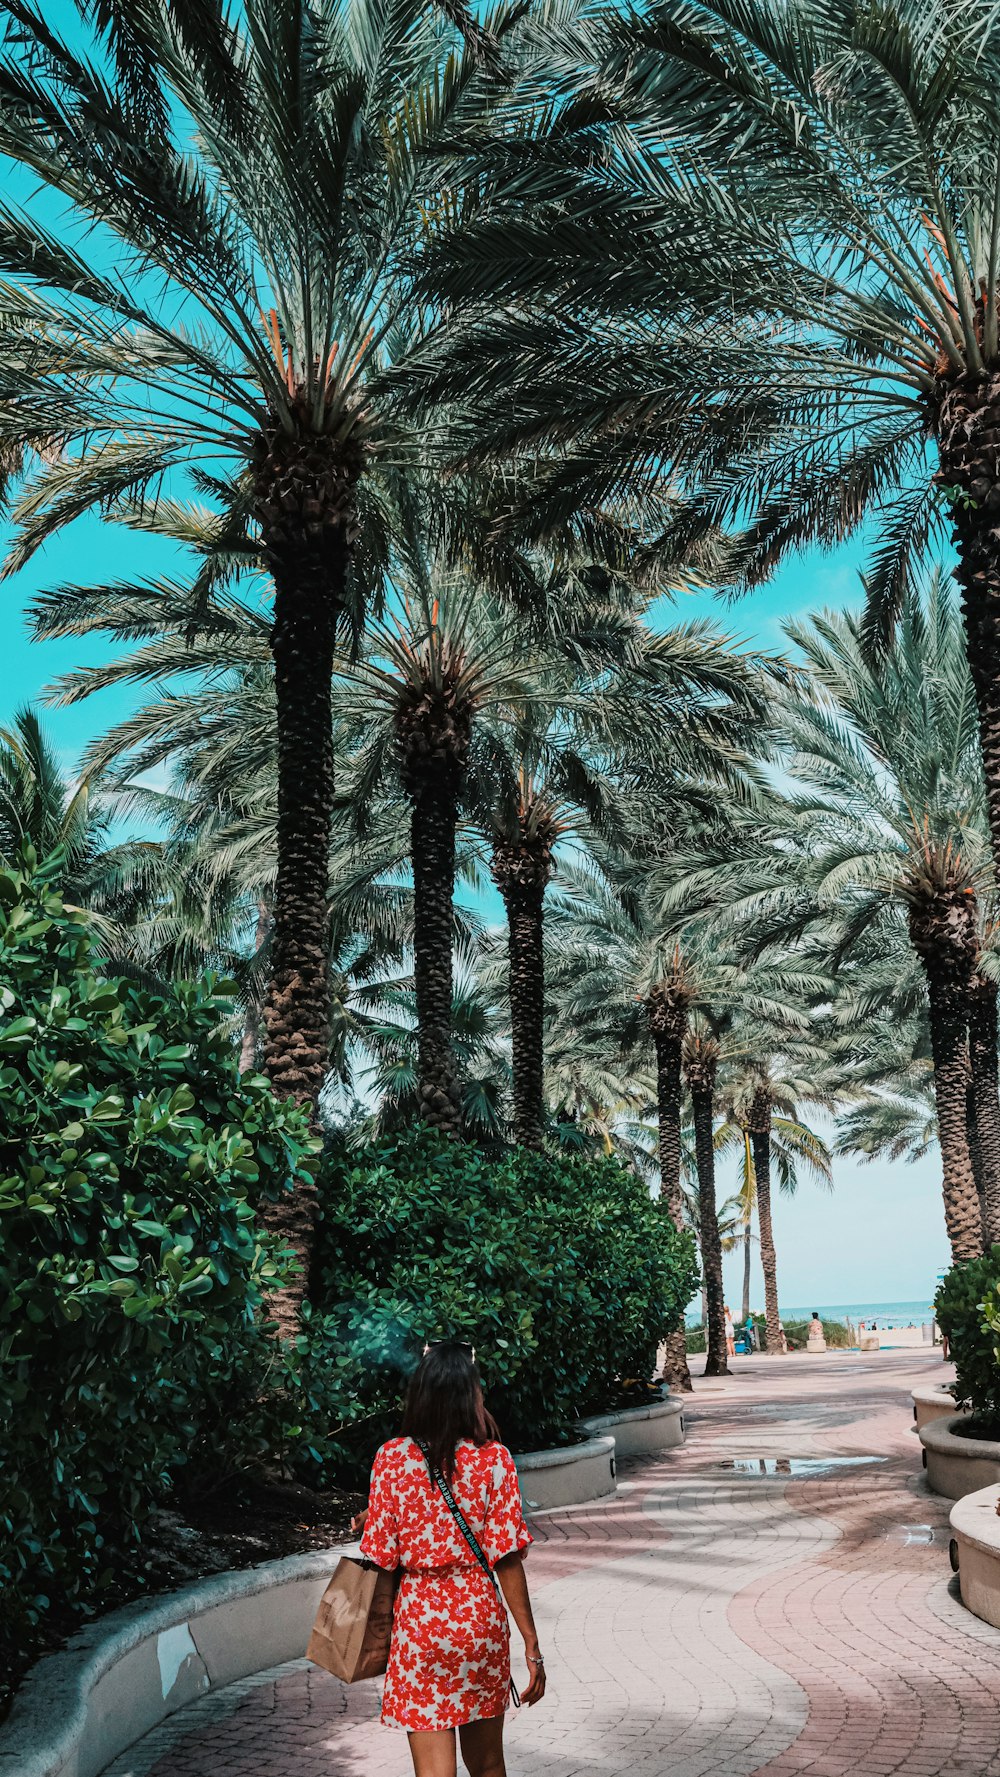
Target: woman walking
{"type": "Point", "coordinates": [449, 1660]}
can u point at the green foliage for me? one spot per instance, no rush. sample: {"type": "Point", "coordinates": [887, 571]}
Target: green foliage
{"type": "Point", "coordinates": [132, 1266]}
{"type": "Point", "coordinates": [968, 1312]}
{"type": "Point", "coordinates": [797, 1333]}
{"type": "Point", "coordinates": [562, 1271]}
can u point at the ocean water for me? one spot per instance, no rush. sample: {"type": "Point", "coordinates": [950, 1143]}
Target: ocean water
{"type": "Point", "coordinates": [887, 1315]}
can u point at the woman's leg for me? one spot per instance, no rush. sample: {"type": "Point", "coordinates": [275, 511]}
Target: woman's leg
{"type": "Point", "coordinates": [433, 1752]}
{"type": "Point", "coordinates": [482, 1747]}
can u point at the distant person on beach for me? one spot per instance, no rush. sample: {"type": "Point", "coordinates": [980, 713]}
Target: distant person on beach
{"type": "Point", "coordinates": [781, 1336]}
{"type": "Point", "coordinates": [751, 1332]}
{"type": "Point", "coordinates": [730, 1333]}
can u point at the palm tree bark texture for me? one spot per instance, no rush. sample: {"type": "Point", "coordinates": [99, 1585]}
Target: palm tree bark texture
{"type": "Point", "coordinates": [522, 868]}
{"type": "Point", "coordinates": [943, 930]}
{"type": "Point", "coordinates": [667, 1015]}
{"type": "Point", "coordinates": [433, 730]}
{"type": "Point", "coordinates": [303, 500]}
{"type": "Point", "coordinates": [966, 420]}
{"type": "Point", "coordinates": [759, 1121]}
{"type": "Point", "coordinates": [701, 1062]}
{"type": "Point", "coordinates": [985, 1097]}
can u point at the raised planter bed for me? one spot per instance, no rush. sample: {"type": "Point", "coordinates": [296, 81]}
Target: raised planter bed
{"type": "Point", "coordinates": [641, 1431]}
{"type": "Point", "coordinates": [958, 1465]}
{"type": "Point", "coordinates": [568, 1477]}
{"type": "Point", "coordinates": [933, 1402]}
{"type": "Point", "coordinates": [122, 1675]}
{"type": "Point", "coordinates": [977, 1547]}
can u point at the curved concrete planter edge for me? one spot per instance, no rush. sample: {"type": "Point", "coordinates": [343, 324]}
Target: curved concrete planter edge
{"type": "Point", "coordinates": [956, 1465]}
{"type": "Point", "coordinates": [977, 1536]}
{"type": "Point", "coordinates": [641, 1431]}
{"type": "Point", "coordinates": [934, 1401]}
{"type": "Point", "coordinates": [566, 1477]}
{"type": "Point", "coordinates": [127, 1672]}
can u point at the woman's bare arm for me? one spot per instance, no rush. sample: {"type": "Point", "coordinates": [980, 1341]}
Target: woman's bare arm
{"type": "Point", "coordinates": [514, 1585]}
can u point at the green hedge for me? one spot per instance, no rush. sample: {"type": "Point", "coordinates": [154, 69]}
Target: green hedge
{"type": "Point", "coordinates": [796, 1332]}
{"type": "Point", "coordinates": [966, 1310]}
{"type": "Point", "coordinates": [132, 1265]}
{"type": "Point", "coordinates": [562, 1272]}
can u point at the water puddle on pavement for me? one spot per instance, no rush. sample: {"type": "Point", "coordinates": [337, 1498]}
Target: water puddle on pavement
{"type": "Point", "coordinates": [803, 1467]}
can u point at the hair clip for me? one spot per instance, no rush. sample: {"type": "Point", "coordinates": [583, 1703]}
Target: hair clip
{"type": "Point", "coordinates": [428, 1347]}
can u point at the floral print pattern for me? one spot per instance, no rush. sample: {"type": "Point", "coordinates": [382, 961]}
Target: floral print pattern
{"type": "Point", "coordinates": [449, 1660]}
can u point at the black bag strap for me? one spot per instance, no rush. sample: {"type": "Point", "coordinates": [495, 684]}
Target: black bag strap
{"type": "Point", "coordinates": [440, 1481]}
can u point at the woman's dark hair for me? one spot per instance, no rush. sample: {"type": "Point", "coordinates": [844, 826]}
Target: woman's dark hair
{"type": "Point", "coordinates": [444, 1403]}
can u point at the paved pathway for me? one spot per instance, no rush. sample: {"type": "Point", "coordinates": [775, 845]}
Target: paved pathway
{"type": "Point", "coordinates": [751, 1603]}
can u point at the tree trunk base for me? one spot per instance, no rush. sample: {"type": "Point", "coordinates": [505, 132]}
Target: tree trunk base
{"type": "Point", "coordinates": [675, 1364]}
{"type": "Point", "coordinates": [293, 1220]}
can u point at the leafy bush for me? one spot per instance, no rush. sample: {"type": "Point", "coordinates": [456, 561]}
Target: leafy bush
{"type": "Point", "coordinates": [797, 1333]}
{"type": "Point", "coordinates": [132, 1266]}
{"type": "Point", "coordinates": [967, 1312]}
{"type": "Point", "coordinates": [562, 1272]}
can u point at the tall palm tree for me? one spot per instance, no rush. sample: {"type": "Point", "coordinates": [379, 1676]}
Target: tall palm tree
{"type": "Point", "coordinates": [701, 1063]}
{"type": "Point", "coordinates": [762, 1119]}
{"type": "Point", "coordinates": [884, 843]}
{"type": "Point", "coordinates": [679, 707]}
{"type": "Point", "coordinates": [778, 230]}
{"type": "Point", "coordinates": [264, 213]}
{"type": "Point", "coordinates": [432, 691]}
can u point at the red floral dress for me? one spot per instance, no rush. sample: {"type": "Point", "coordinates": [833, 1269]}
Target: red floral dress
{"type": "Point", "coordinates": [449, 1661]}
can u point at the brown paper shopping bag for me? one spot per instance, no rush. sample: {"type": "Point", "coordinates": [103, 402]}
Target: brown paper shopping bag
{"type": "Point", "coordinates": [350, 1636]}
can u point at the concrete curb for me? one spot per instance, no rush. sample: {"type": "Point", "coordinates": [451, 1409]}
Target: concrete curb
{"type": "Point", "coordinates": [124, 1674]}
{"type": "Point", "coordinates": [641, 1431]}
{"type": "Point", "coordinates": [977, 1534]}
{"type": "Point", "coordinates": [933, 1402]}
{"type": "Point", "coordinates": [569, 1477]}
{"type": "Point", "coordinates": [956, 1465]}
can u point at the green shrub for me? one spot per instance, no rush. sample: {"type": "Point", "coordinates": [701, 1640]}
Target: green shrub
{"type": "Point", "coordinates": [562, 1271]}
{"type": "Point", "coordinates": [694, 1340]}
{"type": "Point", "coordinates": [797, 1333]}
{"type": "Point", "coordinates": [966, 1311]}
{"type": "Point", "coordinates": [132, 1266]}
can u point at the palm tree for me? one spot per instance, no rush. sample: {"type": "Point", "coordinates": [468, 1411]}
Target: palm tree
{"type": "Point", "coordinates": [761, 1118]}
{"type": "Point", "coordinates": [41, 807]}
{"type": "Point", "coordinates": [778, 230]}
{"type": "Point", "coordinates": [885, 844]}
{"type": "Point", "coordinates": [265, 200]}
{"type": "Point", "coordinates": [701, 1062]}
{"type": "Point", "coordinates": [417, 702]}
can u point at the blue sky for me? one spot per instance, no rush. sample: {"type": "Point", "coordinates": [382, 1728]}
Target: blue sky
{"type": "Point", "coordinates": [879, 1236]}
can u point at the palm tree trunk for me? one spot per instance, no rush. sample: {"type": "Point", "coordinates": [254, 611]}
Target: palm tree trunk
{"type": "Point", "coordinates": [972, 1137]}
{"type": "Point", "coordinates": [967, 427]}
{"type": "Point", "coordinates": [668, 1110]}
{"type": "Point", "coordinates": [948, 1006]}
{"type": "Point", "coordinates": [986, 1098]}
{"type": "Point", "coordinates": [522, 868]}
{"type": "Point", "coordinates": [669, 1088]}
{"type": "Point", "coordinates": [701, 1082]}
{"type": "Point", "coordinates": [433, 826]}
{"type": "Point", "coordinates": [303, 501]}
{"type": "Point", "coordinates": [761, 1137]}
{"type": "Point", "coordinates": [746, 1275]}
{"type": "Point", "coordinates": [251, 1024]}
{"type": "Point", "coordinates": [526, 964]}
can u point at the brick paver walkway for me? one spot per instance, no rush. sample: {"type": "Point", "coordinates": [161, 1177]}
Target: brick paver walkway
{"type": "Point", "coordinates": [746, 1604]}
